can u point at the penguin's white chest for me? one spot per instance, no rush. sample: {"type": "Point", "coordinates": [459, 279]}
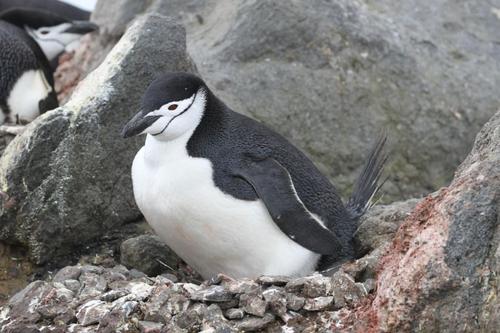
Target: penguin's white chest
{"type": "Point", "coordinates": [212, 231]}
{"type": "Point", "coordinates": [28, 91]}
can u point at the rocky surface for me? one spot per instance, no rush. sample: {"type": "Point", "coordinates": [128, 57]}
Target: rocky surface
{"type": "Point", "coordinates": [96, 299]}
{"type": "Point", "coordinates": [441, 271]}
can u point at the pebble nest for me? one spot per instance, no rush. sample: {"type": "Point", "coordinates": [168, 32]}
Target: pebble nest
{"type": "Point", "coordinates": [88, 298]}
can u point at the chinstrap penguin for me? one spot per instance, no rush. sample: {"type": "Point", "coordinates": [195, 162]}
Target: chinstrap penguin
{"type": "Point", "coordinates": [54, 33]}
{"type": "Point", "coordinates": [27, 49]}
{"type": "Point", "coordinates": [60, 8]}
{"type": "Point", "coordinates": [26, 81]}
{"type": "Point", "coordinates": [231, 196]}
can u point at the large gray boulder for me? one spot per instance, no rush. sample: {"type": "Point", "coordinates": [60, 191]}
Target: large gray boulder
{"type": "Point", "coordinates": [67, 177]}
{"type": "Point", "coordinates": [441, 271]}
{"type": "Point", "coordinates": [329, 75]}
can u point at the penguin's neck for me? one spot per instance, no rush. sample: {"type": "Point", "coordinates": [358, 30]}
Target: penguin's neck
{"type": "Point", "coordinates": [157, 152]}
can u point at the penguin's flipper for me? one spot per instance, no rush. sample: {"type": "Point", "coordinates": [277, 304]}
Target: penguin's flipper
{"type": "Point", "coordinates": [274, 185]}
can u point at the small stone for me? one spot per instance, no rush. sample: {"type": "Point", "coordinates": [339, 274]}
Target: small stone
{"type": "Point", "coordinates": [170, 277]}
{"type": "Point", "coordinates": [112, 276]}
{"type": "Point", "coordinates": [277, 280]}
{"type": "Point", "coordinates": [148, 254]}
{"type": "Point", "coordinates": [214, 319]}
{"type": "Point", "coordinates": [217, 279]}
{"type": "Point", "coordinates": [296, 285]}
{"type": "Point", "coordinates": [172, 328]}
{"type": "Point", "coordinates": [250, 324]}
{"type": "Point", "coordinates": [316, 286]}
{"type": "Point", "coordinates": [345, 290]}
{"type": "Point", "coordinates": [139, 290]}
{"type": "Point", "coordinates": [294, 302]}
{"type": "Point", "coordinates": [177, 303]}
{"type": "Point", "coordinates": [192, 318]}
{"type": "Point", "coordinates": [67, 273]}
{"type": "Point", "coordinates": [241, 286]}
{"type": "Point", "coordinates": [73, 285]}
{"type": "Point", "coordinates": [113, 295]}
{"type": "Point", "coordinates": [92, 284]}
{"type": "Point", "coordinates": [233, 303]}
{"type": "Point", "coordinates": [253, 304]}
{"type": "Point", "coordinates": [190, 287]}
{"type": "Point", "coordinates": [136, 274]}
{"type": "Point", "coordinates": [65, 317]}
{"type": "Point", "coordinates": [234, 313]}
{"type": "Point", "coordinates": [370, 285]}
{"type": "Point", "coordinates": [63, 294]}
{"type": "Point", "coordinates": [92, 311]}
{"type": "Point", "coordinates": [92, 269]}
{"type": "Point", "coordinates": [154, 309]}
{"type": "Point", "coordinates": [318, 303]}
{"type": "Point", "coordinates": [212, 294]}
{"type": "Point", "coordinates": [149, 327]}
{"type": "Point", "coordinates": [276, 299]}
{"type": "Point", "coordinates": [52, 329]}
{"type": "Point", "coordinates": [129, 307]}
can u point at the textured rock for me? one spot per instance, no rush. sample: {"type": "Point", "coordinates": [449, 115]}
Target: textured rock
{"type": "Point", "coordinates": [253, 304]}
{"type": "Point", "coordinates": [139, 304]}
{"type": "Point", "coordinates": [378, 227]}
{"type": "Point", "coordinates": [148, 254]}
{"type": "Point", "coordinates": [318, 303]}
{"type": "Point", "coordinates": [329, 75]}
{"type": "Point", "coordinates": [150, 327]}
{"type": "Point", "coordinates": [211, 294]}
{"type": "Point", "coordinates": [87, 189]}
{"type": "Point", "coordinates": [251, 324]}
{"type": "Point", "coordinates": [92, 312]}
{"type": "Point", "coordinates": [441, 270]}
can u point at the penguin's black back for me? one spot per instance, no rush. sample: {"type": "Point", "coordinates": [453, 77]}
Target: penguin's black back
{"type": "Point", "coordinates": [229, 139]}
{"type": "Point", "coordinates": [59, 8]}
{"type": "Point", "coordinates": [18, 54]}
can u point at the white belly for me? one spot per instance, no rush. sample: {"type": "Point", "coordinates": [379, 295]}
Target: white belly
{"type": "Point", "coordinates": [29, 90]}
{"type": "Point", "coordinates": [212, 231]}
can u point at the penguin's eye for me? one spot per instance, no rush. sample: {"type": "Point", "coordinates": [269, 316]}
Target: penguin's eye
{"type": "Point", "coordinates": [172, 107]}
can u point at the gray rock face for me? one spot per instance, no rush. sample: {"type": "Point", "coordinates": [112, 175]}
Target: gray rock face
{"type": "Point", "coordinates": [441, 270]}
{"type": "Point", "coordinates": [379, 225]}
{"type": "Point", "coordinates": [329, 75]}
{"type": "Point", "coordinates": [69, 172]}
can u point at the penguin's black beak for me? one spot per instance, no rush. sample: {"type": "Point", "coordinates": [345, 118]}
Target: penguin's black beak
{"type": "Point", "coordinates": [138, 124]}
{"type": "Point", "coordinates": [82, 27]}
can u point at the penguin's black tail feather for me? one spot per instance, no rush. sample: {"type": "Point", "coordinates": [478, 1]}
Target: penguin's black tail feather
{"type": "Point", "coordinates": [367, 185]}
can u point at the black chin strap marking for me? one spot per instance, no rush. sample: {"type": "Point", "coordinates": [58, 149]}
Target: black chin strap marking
{"type": "Point", "coordinates": [164, 128]}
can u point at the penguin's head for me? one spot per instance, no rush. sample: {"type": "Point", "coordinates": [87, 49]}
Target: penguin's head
{"type": "Point", "coordinates": [54, 40]}
{"type": "Point", "coordinates": [172, 105]}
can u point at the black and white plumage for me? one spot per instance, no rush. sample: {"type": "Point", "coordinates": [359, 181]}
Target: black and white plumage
{"type": "Point", "coordinates": [26, 82]}
{"type": "Point", "coordinates": [32, 37]}
{"type": "Point", "coordinates": [56, 7]}
{"type": "Point", "coordinates": [231, 196]}
{"type": "Point", "coordinates": [56, 26]}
